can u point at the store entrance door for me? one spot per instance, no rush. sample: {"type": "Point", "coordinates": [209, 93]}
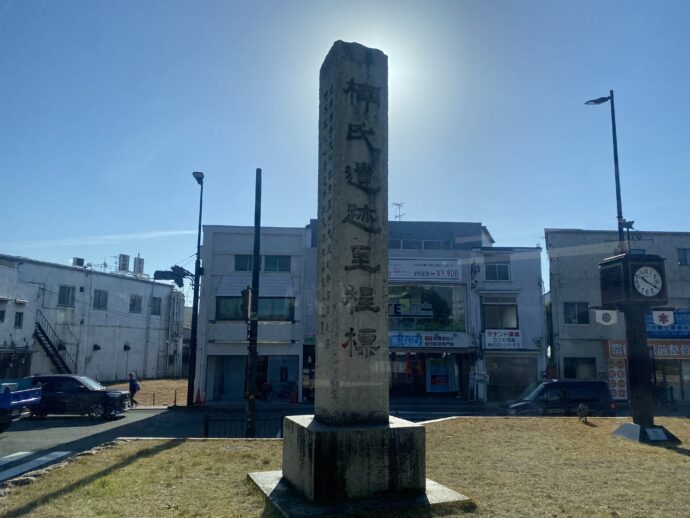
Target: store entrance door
{"type": "Point", "coordinates": [228, 377]}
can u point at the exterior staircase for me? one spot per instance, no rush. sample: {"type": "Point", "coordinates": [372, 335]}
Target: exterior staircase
{"type": "Point", "coordinates": [52, 345]}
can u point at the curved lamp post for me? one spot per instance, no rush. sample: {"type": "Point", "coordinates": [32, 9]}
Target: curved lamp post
{"type": "Point", "coordinates": [622, 223]}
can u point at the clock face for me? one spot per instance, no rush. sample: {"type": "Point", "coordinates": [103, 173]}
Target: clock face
{"type": "Point", "coordinates": [647, 281]}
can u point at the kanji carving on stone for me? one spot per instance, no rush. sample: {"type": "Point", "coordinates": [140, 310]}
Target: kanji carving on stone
{"type": "Point", "coordinates": [361, 132]}
{"type": "Point", "coordinates": [366, 300]}
{"type": "Point", "coordinates": [362, 177]}
{"type": "Point", "coordinates": [350, 298]}
{"type": "Point", "coordinates": [367, 340]}
{"type": "Point", "coordinates": [362, 217]}
{"type": "Point", "coordinates": [350, 341]}
{"type": "Point", "coordinates": [361, 259]}
{"type": "Point", "coordinates": [363, 92]}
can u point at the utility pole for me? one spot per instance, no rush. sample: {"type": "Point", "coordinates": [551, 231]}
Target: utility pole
{"type": "Point", "coordinates": [252, 357]}
{"type": "Point", "coordinates": [198, 272]}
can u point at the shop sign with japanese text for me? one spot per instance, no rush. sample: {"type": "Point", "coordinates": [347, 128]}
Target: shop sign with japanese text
{"type": "Point", "coordinates": [503, 339]}
{"type": "Point", "coordinates": [660, 349]}
{"type": "Point", "coordinates": [422, 339]}
{"type": "Point", "coordinates": [680, 328]}
{"type": "Point", "coordinates": [424, 270]}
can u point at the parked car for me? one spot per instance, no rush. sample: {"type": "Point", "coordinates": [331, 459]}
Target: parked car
{"type": "Point", "coordinates": [13, 400]}
{"type": "Point", "coordinates": [562, 398]}
{"type": "Point", "coordinates": [74, 394]}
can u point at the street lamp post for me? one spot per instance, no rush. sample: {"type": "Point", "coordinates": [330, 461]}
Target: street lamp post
{"type": "Point", "coordinates": [198, 272]}
{"type": "Point", "coordinates": [619, 206]}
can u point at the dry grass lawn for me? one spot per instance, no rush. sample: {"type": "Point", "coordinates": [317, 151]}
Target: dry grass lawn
{"type": "Point", "coordinates": [508, 466]}
{"type": "Point", "coordinates": [159, 392]}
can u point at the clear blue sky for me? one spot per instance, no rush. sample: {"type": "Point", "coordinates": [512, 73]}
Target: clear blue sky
{"type": "Point", "coordinates": [107, 107]}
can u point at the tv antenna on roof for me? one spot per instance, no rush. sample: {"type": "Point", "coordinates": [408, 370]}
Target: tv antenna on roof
{"type": "Point", "coordinates": [398, 206]}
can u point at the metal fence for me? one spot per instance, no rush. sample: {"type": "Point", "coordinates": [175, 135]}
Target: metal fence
{"type": "Point", "coordinates": [231, 426]}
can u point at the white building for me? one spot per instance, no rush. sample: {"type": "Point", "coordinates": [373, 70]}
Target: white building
{"type": "Point", "coordinates": [18, 304]}
{"type": "Point", "coordinates": [222, 339]}
{"type": "Point", "coordinates": [465, 317]}
{"type": "Point", "coordinates": [102, 325]}
{"type": "Point", "coordinates": [584, 348]}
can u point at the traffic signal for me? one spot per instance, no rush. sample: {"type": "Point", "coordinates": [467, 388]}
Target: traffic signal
{"type": "Point", "coordinates": [176, 273]}
{"type": "Point", "coordinates": [163, 275]}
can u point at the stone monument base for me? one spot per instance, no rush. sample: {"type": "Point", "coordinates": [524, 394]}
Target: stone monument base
{"type": "Point", "coordinates": [291, 503]}
{"type": "Point", "coordinates": [337, 463]}
{"type": "Point", "coordinates": [649, 435]}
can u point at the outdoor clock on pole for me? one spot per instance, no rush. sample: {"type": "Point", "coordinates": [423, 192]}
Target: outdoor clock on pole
{"type": "Point", "coordinates": [633, 279]}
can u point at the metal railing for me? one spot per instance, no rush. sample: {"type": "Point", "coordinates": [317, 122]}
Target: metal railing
{"type": "Point", "coordinates": [233, 426]}
{"type": "Point", "coordinates": [56, 345]}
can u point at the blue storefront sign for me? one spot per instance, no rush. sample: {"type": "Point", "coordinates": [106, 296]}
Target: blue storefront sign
{"type": "Point", "coordinates": [679, 329]}
{"type": "Point", "coordinates": [405, 340]}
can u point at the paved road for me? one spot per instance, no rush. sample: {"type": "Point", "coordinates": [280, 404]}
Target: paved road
{"type": "Point", "coordinates": [33, 443]}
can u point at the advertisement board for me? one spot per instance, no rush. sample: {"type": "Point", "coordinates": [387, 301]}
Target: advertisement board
{"type": "Point", "coordinates": [440, 375]}
{"type": "Point", "coordinates": [420, 339]}
{"type": "Point", "coordinates": [427, 270]}
{"type": "Point", "coordinates": [502, 339]}
{"type": "Point", "coordinates": [659, 349]}
{"type": "Point", "coordinates": [680, 328]}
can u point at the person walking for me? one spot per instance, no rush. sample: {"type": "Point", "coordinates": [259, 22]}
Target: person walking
{"type": "Point", "coordinates": [134, 387]}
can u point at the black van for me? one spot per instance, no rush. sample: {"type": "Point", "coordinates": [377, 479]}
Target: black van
{"type": "Point", "coordinates": [561, 398]}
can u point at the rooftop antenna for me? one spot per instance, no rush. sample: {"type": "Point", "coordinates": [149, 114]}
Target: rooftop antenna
{"type": "Point", "coordinates": [398, 206]}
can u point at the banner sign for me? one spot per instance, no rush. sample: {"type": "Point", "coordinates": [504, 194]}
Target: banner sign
{"type": "Point", "coordinates": [502, 339]}
{"type": "Point", "coordinates": [606, 317]}
{"type": "Point", "coordinates": [618, 379]}
{"type": "Point", "coordinates": [421, 339]}
{"type": "Point", "coordinates": [663, 318]}
{"type": "Point", "coordinates": [680, 328]}
{"type": "Point", "coordinates": [661, 350]}
{"type": "Point", "coordinates": [424, 270]}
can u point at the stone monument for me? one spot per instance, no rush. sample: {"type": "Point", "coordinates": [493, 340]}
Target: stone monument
{"type": "Point", "coordinates": [351, 453]}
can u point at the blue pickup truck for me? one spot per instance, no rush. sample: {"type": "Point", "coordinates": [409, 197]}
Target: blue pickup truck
{"type": "Point", "coordinates": [14, 398]}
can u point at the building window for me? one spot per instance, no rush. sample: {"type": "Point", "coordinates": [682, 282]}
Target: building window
{"type": "Point", "coordinates": [18, 320]}
{"type": "Point", "coordinates": [270, 308]}
{"type": "Point", "coordinates": [412, 244]}
{"type": "Point", "coordinates": [432, 245]}
{"type": "Point", "coordinates": [580, 368]}
{"type": "Point", "coordinates": [500, 312]}
{"type": "Point", "coordinates": [277, 263]}
{"type": "Point", "coordinates": [426, 308]}
{"type": "Point", "coordinates": [2, 315]}
{"type": "Point", "coordinates": [684, 256]}
{"type": "Point", "coordinates": [277, 308]}
{"type": "Point", "coordinates": [156, 306]}
{"type": "Point", "coordinates": [576, 312]}
{"type": "Point", "coordinates": [497, 271]}
{"type": "Point", "coordinates": [243, 263]}
{"type": "Point", "coordinates": [100, 299]}
{"type": "Point", "coordinates": [229, 308]}
{"type": "Point", "coordinates": [135, 303]}
{"type": "Point", "coordinates": [66, 296]}
{"type": "Point", "coordinates": [394, 244]}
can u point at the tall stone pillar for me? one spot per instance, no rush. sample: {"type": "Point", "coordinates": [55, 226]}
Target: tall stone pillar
{"type": "Point", "coordinates": [351, 453]}
{"type": "Point", "coordinates": [352, 374]}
